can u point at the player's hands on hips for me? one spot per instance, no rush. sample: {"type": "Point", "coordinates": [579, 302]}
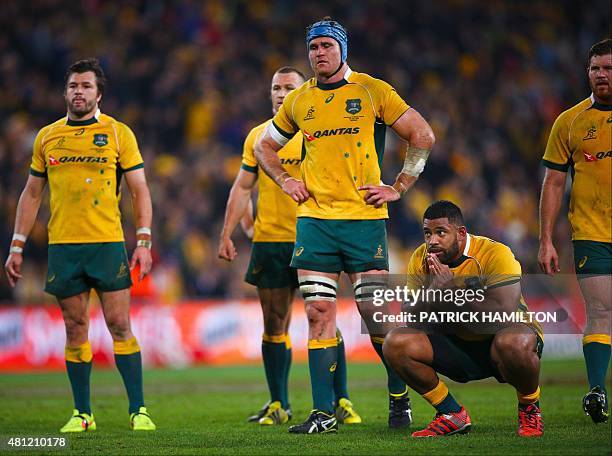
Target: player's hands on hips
{"type": "Point", "coordinates": [441, 275]}
{"type": "Point", "coordinates": [227, 250]}
{"type": "Point", "coordinates": [548, 258]}
{"type": "Point", "coordinates": [296, 189]}
{"type": "Point", "coordinates": [13, 268]}
{"type": "Point", "coordinates": [377, 195]}
{"type": "Point", "coordinates": [142, 256]}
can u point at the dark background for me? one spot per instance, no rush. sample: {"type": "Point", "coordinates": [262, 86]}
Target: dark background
{"type": "Point", "coordinates": [191, 79]}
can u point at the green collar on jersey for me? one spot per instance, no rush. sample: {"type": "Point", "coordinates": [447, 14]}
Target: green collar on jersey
{"type": "Point", "coordinates": [81, 123]}
{"type": "Point", "coordinates": [458, 262]}
{"type": "Point", "coordinates": [333, 85]}
{"type": "Point", "coordinates": [602, 107]}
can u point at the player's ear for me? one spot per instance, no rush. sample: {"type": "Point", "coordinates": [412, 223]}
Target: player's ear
{"type": "Point", "coordinates": [462, 231]}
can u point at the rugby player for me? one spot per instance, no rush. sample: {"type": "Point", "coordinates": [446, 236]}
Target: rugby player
{"type": "Point", "coordinates": [269, 270]}
{"type": "Point", "coordinates": [342, 116]}
{"type": "Point", "coordinates": [581, 142]}
{"type": "Point", "coordinates": [452, 258]}
{"type": "Point", "coordinates": [83, 156]}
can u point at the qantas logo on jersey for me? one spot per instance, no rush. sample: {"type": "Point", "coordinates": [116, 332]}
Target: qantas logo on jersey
{"type": "Point", "coordinates": [333, 132]}
{"type": "Point", "coordinates": [598, 156]}
{"type": "Point", "coordinates": [290, 161]}
{"type": "Point", "coordinates": [77, 159]}
{"type": "Point", "coordinates": [308, 136]}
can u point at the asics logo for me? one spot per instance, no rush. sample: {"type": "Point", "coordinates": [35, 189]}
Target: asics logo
{"type": "Point", "coordinates": [326, 424]}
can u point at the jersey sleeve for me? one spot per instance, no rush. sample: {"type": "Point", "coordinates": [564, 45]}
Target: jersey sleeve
{"type": "Point", "coordinates": [283, 126]}
{"type": "Point", "coordinates": [390, 106]}
{"type": "Point", "coordinates": [416, 271]}
{"type": "Point", "coordinates": [249, 162]}
{"type": "Point", "coordinates": [129, 154]}
{"type": "Point", "coordinates": [501, 268]}
{"type": "Point", "coordinates": [38, 167]}
{"type": "Point", "coordinates": [557, 155]}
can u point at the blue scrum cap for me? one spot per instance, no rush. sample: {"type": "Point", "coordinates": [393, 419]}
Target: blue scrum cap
{"type": "Point", "coordinates": [331, 29]}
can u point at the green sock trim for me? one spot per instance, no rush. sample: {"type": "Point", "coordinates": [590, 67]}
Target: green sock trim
{"type": "Point", "coordinates": [395, 384]}
{"type": "Point", "coordinates": [285, 398]}
{"type": "Point", "coordinates": [275, 359]}
{"type": "Point", "coordinates": [322, 363]}
{"type": "Point", "coordinates": [79, 375]}
{"type": "Point", "coordinates": [448, 405]}
{"type": "Point", "coordinates": [130, 368]}
{"type": "Point", "coordinates": [597, 359]}
{"type": "Point", "coordinates": [340, 376]}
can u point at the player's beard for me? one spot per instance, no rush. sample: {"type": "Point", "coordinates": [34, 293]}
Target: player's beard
{"type": "Point", "coordinates": [82, 111]}
{"type": "Point", "coordinates": [603, 93]}
{"type": "Point", "coordinates": [449, 254]}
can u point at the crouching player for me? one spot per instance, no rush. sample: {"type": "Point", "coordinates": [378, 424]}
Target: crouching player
{"type": "Point", "coordinates": [452, 258]}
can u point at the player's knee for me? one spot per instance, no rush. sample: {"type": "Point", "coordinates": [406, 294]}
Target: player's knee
{"type": "Point", "coordinates": [118, 326]}
{"type": "Point", "coordinates": [76, 327]}
{"type": "Point", "coordinates": [319, 294]}
{"type": "Point", "coordinates": [598, 316]}
{"type": "Point", "coordinates": [399, 347]}
{"type": "Point", "coordinates": [274, 323]}
{"type": "Point", "coordinates": [514, 346]}
{"type": "Point", "coordinates": [319, 311]}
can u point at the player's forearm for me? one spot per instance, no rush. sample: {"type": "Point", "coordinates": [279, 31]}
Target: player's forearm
{"type": "Point", "coordinates": [237, 205]}
{"type": "Point", "coordinates": [550, 204]}
{"type": "Point", "coordinates": [270, 162]}
{"type": "Point", "coordinates": [420, 138]}
{"type": "Point", "coordinates": [143, 208]}
{"type": "Point", "coordinates": [247, 223]}
{"type": "Point", "coordinates": [27, 210]}
{"type": "Point", "coordinates": [403, 182]}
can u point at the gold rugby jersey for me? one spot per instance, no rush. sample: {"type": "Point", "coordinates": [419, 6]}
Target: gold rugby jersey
{"type": "Point", "coordinates": [581, 141]}
{"type": "Point", "coordinates": [485, 262]}
{"type": "Point", "coordinates": [84, 162]}
{"type": "Point", "coordinates": [344, 127]}
{"type": "Point", "coordinates": [276, 211]}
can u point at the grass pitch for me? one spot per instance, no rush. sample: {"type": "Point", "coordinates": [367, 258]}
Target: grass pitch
{"type": "Point", "coordinates": [203, 411]}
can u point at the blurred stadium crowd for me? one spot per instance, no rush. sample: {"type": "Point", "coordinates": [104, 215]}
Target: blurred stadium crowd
{"type": "Point", "coordinates": [192, 77]}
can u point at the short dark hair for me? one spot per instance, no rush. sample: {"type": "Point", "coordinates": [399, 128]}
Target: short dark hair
{"type": "Point", "coordinates": [290, 69]}
{"type": "Point", "coordinates": [603, 47]}
{"type": "Point", "coordinates": [83, 66]}
{"type": "Point", "coordinates": [444, 209]}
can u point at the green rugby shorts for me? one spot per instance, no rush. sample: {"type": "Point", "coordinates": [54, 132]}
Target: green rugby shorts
{"type": "Point", "coordinates": [75, 268]}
